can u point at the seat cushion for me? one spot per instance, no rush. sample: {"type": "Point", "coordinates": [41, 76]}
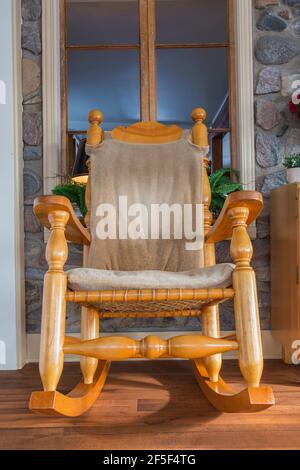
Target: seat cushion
{"type": "Point", "coordinates": [88, 279]}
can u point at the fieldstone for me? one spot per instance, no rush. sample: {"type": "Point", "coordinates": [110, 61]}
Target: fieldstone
{"type": "Point", "coordinates": [292, 143]}
{"type": "Point", "coordinates": [73, 318]}
{"type": "Point", "coordinates": [269, 22]}
{"type": "Point", "coordinates": [227, 322]}
{"type": "Point", "coordinates": [33, 99]}
{"type": "Point", "coordinates": [275, 50]}
{"type": "Point", "coordinates": [296, 10]}
{"type": "Point", "coordinates": [291, 3]}
{"type": "Point", "coordinates": [261, 252]}
{"type": "Point", "coordinates": [296, 26]}
{"type": "Point", "coordinates": [36, 274]}
{"type": "Point", "coordinates": [31, 224]}
{"type": "Point", "coordinates": [282, 128]}
{"type": "Point", "coordinates": [32, 184]}
{"type": "Point", "coordinates": [285, 14]}
{"type": "Point", "coordinates": [223, 252]}
{"type": "Point", "coordinates": [263, 275]}
{"type": "Point", "coordinates": [287, 82]}
{"type": "Point", "coordinates": [31, 9]}
{"type": "Point", "coordinates": [265, 3]}
{"type": "Point", "coordinates": [266, 210]}
{"type": "Point", "coordinates": [264, 299]}
{"type": "Point", "coordinates": [33, 318]}
{"type": "Point", "coordinates": [263, 227]}
{"type": "Point", "coordinates": [273, 181]}
{"type": "Point", "coordinates": [31, 37]}
{"type": "Point", "coordinates": [32, 128]}
{"type": "Point", "coordinates": [32, 293]}
{"type": "Point", "coordinates": [75, 256]}
{"type": "Point", "coordinates": [32, 152]}
{"type": "Point", "coordinates": [292, 120]}
{"type": "Point", "coordinates": [266, 114]}
{"type": "Point", "coordinates": [31, 76]}
{"type": "Point", "coordinates": [268, 81]}
{"type": "Point", "coordinates": [34, 251]}
{"type": "Point", "coordinates": [267, 149]}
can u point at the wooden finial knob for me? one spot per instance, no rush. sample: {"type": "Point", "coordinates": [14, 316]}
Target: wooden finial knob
{"type": "Point", "coordinates": [198, 114]}
{"type": "Point", "coordinates": [95, 117]}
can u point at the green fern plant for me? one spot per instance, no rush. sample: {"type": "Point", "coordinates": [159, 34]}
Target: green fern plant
{"type": "Point", "coordinates": [292, 161]}
{"type": "Point", "coordinates": [74, 192]}
{"type": "Point", "coordinates": [222, 185]}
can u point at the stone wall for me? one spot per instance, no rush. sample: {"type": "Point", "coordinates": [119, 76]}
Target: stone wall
{"type": "Point", "coordinates": [35, 262]}
{"type": "Point", "coordinates": [33, 156]}
{"type": "Point", "coordinates": [276, 65]}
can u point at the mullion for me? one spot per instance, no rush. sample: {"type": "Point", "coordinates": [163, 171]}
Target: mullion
{"type": "Point", "coordinates": [193, 46]}
{"type": "Point", "coordinates": [92, 47]}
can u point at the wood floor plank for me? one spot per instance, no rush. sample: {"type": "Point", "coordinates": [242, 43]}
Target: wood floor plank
{"type": "Point", "coordinates": [151, 405]}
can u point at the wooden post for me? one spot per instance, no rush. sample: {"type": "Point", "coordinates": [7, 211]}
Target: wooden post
{"type": "Point", "coordinates": [89, 316]}
{"type": "Point", "coordinates": [245, 300]}
{"type": "Point", "coordinates": [210, 315]}
{"type": "Point", "coordinates": [94, 137]}
{"type": "Point", "coordinates": [148, 60]}
{"type": "Point", "coordinates": [54, 304]}
{"type": "Point", "coordinates": [89, 330]}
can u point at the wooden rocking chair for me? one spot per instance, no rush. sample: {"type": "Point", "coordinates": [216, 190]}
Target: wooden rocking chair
{"type": "Point", "coordinates": [240, 210]}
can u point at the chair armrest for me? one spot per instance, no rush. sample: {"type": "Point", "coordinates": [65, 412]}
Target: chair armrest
{"type": "Point", "coordinates": [222, 229]}
{"type": "Point", "coordinates": [75, 231]}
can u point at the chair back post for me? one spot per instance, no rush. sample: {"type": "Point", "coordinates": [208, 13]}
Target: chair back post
{"type": "Point", "coordinates": [200, 137]}
{"type": "Point", "coordinates": [94, 137]}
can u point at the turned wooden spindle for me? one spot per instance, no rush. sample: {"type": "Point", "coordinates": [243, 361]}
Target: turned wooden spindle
{"type": "Point", "coordinates": [95, 133]}
{"type": "Point", "coordinates": [152, 347]}
{"type": "Point", "coordinates": [210, 315]}
{"type": "Point", "coordinates": [245, 299]}
{"type": "Point", "coordinates": [89, 316]}
{"type": "Point", "coordinates": [95, 136]}
{"type": "Point", "coordinates": [54, 303]}
{"type": "Point", "coordinates": [200, 137]}
{"type": "Point", "coordinates": [89, 329]}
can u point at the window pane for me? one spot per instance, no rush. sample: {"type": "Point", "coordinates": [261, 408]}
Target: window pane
{"type": "Point", "coordinates": [191, 21]}
{"type": "Point", "coordinates": [226, 151]}
{"type": "Point", "coordinates": [188, 78]}
{"type": "Point", "coordinates": [108, 80]}
{"type": "Point", "coordinates": [102, 22]}
{"type": "Point", "coordinates": [220, 150]}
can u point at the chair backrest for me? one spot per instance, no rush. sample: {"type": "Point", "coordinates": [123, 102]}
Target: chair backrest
{"type": "Point", "coordinates": [154, 133]}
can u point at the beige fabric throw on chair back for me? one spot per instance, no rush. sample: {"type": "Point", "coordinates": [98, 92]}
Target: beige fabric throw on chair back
{"type": "Point", "coordinates": [147, 174]}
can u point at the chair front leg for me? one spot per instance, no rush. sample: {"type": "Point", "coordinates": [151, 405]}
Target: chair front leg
{"type": "Point", "coordinates": [54, 304]}
{"type": "Point", "coordinates": [245, 300]}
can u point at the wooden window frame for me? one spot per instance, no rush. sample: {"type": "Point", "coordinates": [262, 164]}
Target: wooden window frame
{"type": "Point", "coordinates": [241, 80]}
{"type": "Point", "coordinates": [148, 77]}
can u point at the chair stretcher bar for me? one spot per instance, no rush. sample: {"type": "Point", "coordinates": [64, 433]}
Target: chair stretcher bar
{"type": "Point", "coordinates": [148, 295]}
{"type": "Point", "coordinates": [151, 347]}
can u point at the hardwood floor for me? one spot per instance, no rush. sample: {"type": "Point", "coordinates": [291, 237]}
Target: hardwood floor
{"type": "Point", "coordinates": [151, 405]}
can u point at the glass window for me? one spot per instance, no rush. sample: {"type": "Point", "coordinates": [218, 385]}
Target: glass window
{"type": "Point", "coordinates": [108, 80]}
{"type": "Point", "coordinates": [187, 78]}
{"type": "Point", "coordinates": [108, 68]}
{"type": "Point", "coordinates": [102, 22]}
{"type": "Point", "coordinates": [191, 21]}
